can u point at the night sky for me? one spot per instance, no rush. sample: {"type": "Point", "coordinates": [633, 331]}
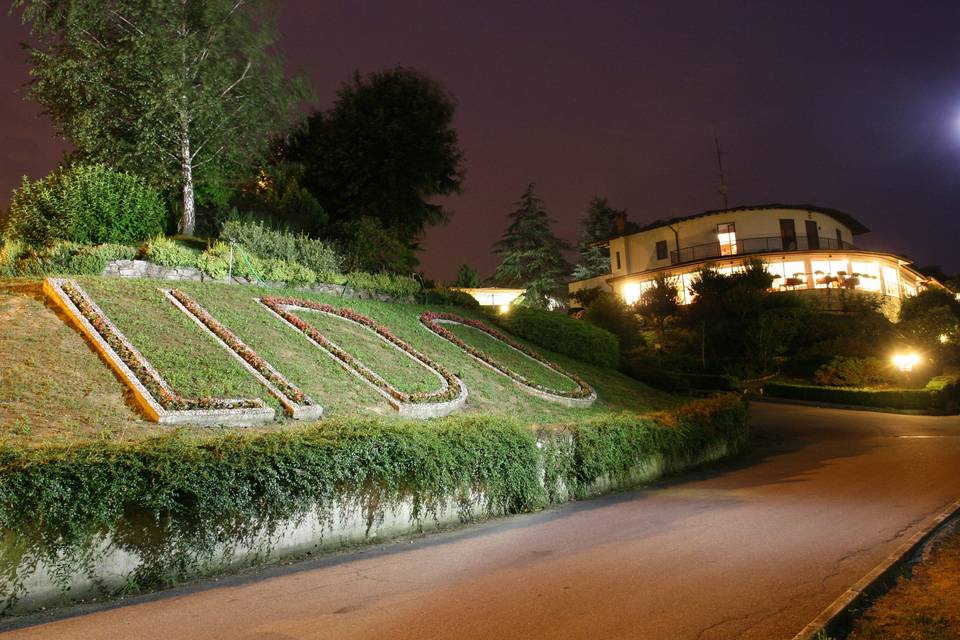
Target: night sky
{"type": "Point", "coordinates": [848, 105]}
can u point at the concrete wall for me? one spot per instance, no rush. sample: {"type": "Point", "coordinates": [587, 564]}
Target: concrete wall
{"type": "Point", "coordinates": [110, 569]}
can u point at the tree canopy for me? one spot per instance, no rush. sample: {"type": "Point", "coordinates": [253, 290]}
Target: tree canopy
{"type": "Point", "coordinates": [381, 152]}
{"type": "Point", "coordinates": [185, 94]}
{"type": "Point", "coordinates": [597, 225]}
{"type": "Point", "coordinates": [532, 256]}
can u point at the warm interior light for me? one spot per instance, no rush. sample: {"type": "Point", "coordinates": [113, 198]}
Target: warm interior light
{"type": "Point", "coordinates": [631, 293]}
{"type": "Point", "coordinates": [906, 361]}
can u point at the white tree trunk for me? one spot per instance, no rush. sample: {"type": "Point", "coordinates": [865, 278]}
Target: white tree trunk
{"type": "Point", "coordinates": [189, 220]}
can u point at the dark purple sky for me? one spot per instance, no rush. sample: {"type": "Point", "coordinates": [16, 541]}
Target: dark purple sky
{"type": "Point", "coordinates": [853, 105]}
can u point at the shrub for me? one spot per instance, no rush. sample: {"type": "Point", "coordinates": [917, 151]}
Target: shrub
{"type": "Point", "coordinates": [610, 312]}
{"type": "Point", "coordinates": [87, 204]}
{"type": "Point", "coordinates": [452, 297]}
{"type": "Point", "coordinates": [558, 332]}
{"type": "Point", "coordinates": [169, 253]}
{"type": "Point", "coordinates": [292, 273]}
{"type": "Point", "coordinates": [383, 282]}
{"type": "Point", "coordinates": [940, 397]}
{"type": "Point", "coordinates": [63, 258]}
{"type": "Point", "coordinates": [267, 243]}
{"type": "Point", "coordinates": [844, 371]}
{"type": "Point", "coordinates": [215, 262]}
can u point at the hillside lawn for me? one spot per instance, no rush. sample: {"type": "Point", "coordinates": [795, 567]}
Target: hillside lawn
{"type": "Point", "coordinates": [54, 388]}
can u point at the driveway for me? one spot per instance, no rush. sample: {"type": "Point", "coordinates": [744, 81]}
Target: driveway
{"type": "Point", "coordinates": [752, 548]}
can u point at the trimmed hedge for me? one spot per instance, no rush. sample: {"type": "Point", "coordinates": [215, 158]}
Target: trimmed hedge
{"type": "Point", "coordinates": [940, 394]}
{"type": "Point", "coordinates": [63, 258]}
{"type": "Point", "coordinates": [559, 332]}
{"type": "Point", "coordinates": [179, 500]}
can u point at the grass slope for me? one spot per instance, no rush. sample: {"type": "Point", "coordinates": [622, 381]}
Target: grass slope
{"type": "Point", "coordinates": [62, 388]}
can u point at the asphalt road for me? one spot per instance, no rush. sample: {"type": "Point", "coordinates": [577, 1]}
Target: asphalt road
{"type": "Point", "coordinates": [753, 548]}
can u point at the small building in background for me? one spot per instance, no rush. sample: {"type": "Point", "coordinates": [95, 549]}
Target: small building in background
{"type": "Point", "coordinates": [804, 247]}
{"type": "Point", "coordinates": [493, 296]}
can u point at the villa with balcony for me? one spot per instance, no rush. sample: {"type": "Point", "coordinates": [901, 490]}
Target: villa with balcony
{"type": "Point", "coordinates": [803, 247]}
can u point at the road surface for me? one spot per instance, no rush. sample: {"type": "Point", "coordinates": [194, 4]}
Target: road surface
{"type": "Point", "coordinates": [752, 548]}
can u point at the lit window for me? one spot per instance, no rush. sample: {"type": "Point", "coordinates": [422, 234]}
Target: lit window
{"type": "Point", "coordinates": [727, 237]}
{"type": "Point", "coordinates": [631, 293]}
{"type": "Point", "coordinates": [867, 275]}
{"type": "Point", "coordinates": [891, 283]}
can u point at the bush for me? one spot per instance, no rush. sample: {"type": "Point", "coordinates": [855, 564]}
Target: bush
{"type": "Point", "coordinates": [558, 332]}
{"type": "Point", "coordinates": [452, 297]}
{"type": "Point", "coordinates": [87, 204]}
{"type": "Point", "coordinates": [651, 371]}
{"type": "Point", "coordinates": [293, 274]}
{"type": "Point", "coordinates": [63, 258]}
{"type": "Point", "coordinates": [267, 243]}
{"type": "Point", "coordinates": [939, 395]}
{"type": "Point", "coordinates": [843, 371]}
{"type": "Point", "coordinates": [178, 499]}
{"type": "Point", "coordinates": [215, 262]}
{"type": "Point", "coordinates": [169, 253]}
{"type": "Point", "coordinates": [383, 282]}
{"type": "Point", "coordinates": [610, 312]}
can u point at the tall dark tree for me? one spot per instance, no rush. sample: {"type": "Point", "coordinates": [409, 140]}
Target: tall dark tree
{"type": "Point", "coordinates": [658, 305]}
{"type": "Point", "coordinates": [467, 277]}
{"type": "Point", "coordinates": [385, 148]}
{"type": "Point", "coordinates": [598, 224]}
{"type": "Point", "coordinates": [185, 93]}
{"type": "Point", "coordinates": [532, 256]}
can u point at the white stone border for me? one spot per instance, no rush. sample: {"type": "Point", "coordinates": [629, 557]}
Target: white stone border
{"type": "Point", "coordinates": [53, 288]}
{"type": "Point", "coordinates": [419, 410]}
{"type": "Point", "coordinates": [567, 401]}
{"type": "Point", "coordinates": [296, 410]}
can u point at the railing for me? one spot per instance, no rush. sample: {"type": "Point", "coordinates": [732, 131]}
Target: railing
{"type": "Point", "coordinates": [745, 246]}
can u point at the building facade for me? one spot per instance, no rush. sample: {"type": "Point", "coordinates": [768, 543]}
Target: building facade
{"type": "Point", "coordinates": [802, 246]}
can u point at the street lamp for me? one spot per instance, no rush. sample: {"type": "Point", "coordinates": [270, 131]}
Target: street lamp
{"type": "Point", "coordinates": [905, 362]}
{"type": "Point", "coordinates": [504, 308]}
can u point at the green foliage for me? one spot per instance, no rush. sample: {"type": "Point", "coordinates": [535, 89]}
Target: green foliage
{"type": "Point", "coordinates": [383, 282]}
{"type": "Point", "coordinates": [367, 245]}
{"type": "Point", "coordinates": [559, 332]}
{"type": "Point", "coordinates": [278, 193]}
{"type": "Point", "coordinates": [63, 258]}
{"type": "Point", "coordinates": [173, 93]}
{"type": "Point", "coordinates": [178, 500]}
{"type": "Point", "coordinates": [384, 150]}
{"type": "Point", "coordinates": [215, 262]}
{"type": "Point", "coordinates": [451, 297]}
{"type": "Point", "coordinates": [467, 277]}
{"type": "Point", "coordinates": [87, 204]}
{"type": "Point", "coordinates": [609, 311]}
{"type": "Point", "coordinates": [844, 371]}
{"type": "Point", "coordinates": [267, 243]}
{"type": "Point", "coordinates": [658, 305]}
{"type": "Point", "coordinates": [941, 394]}
{"type": "Point", "coordinates": [168, 252]}
{"type": "Point", "coordinates": [532, 256]}
{"type": "Point", "coordinates": [293, 274]}
{"type": "Point", "coordinates": [597, 225]}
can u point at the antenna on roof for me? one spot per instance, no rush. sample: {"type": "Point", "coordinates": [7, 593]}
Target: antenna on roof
{"type": "Point", "coordinates": [723, 182]}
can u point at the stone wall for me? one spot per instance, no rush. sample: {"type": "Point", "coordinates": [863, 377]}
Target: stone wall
{"type": "Point", "coordinates": [149, 270]}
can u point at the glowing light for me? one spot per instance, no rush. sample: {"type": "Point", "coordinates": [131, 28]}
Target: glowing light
{"type": "Point", "coordinates": [906, 361]}
{"type": "Point", "coordinates": [944, 338]}
{"type": "Point", "coordinates": [631, 293]}
{"type": "Point", "coordinates": [504, 308]}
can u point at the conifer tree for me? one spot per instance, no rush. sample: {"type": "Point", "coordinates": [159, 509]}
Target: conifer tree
{"type": "Point", "coordinates": [597, 224]}
{"type": "Point", "coordinates": [532, 256]}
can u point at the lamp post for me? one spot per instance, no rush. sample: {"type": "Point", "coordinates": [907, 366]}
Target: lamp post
{"type": "Point", "coordinates": [906, 362]}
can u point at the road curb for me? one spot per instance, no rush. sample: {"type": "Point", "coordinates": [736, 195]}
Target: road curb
{"type": "Point", "coordinates": [752, 397]}
{"type": "Point", "coordinates": [838, 614]}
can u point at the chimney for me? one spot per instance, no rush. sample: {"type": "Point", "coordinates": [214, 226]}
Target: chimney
{"type": "Point", "coordinates": [620, 222]}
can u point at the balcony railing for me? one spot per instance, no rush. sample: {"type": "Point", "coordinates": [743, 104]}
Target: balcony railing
{"type": "Point", "coordinates": [746, 246]}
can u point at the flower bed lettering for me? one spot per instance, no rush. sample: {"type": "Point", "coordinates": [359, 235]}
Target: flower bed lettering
{"type": "Point", "coordinates": [582, 395]}
{"type": "Point", "coordinates": [452, 390]}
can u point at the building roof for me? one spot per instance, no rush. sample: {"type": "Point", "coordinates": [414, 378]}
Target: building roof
{"type": "Point", "coordinates": [856, 227]}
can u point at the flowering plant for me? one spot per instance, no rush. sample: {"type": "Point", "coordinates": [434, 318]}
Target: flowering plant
{"type": "Point", "coordinates": [166, 397]}
{"type": "Point", "coordinates": [430, 320]}
{"type": "Point", "coordinates": [452, 388]}
{"type": "Point", "coordinates": [284, 386]}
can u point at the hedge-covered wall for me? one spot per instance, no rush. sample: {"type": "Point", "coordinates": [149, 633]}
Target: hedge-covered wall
{"type": "Point", "coordinates": [180, 500]}
{"type": "Point", "coordinates": [940, 394]}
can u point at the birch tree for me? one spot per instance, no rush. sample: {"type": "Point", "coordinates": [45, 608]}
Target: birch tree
{"type": "Point", "coordinates": [186, 93]}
